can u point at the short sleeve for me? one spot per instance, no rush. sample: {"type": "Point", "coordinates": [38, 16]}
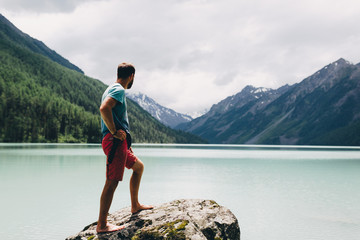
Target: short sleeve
{"type": "Point", "coordinates": [117, 93]}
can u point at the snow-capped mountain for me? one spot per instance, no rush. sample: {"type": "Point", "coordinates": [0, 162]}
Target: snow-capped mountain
{"type": "Point", "coordinates": [165, 115]}
{"type": "Point", "coordinates": [323, 109]}
{"type": "Point", "coordinates": [259, 97]}
{"type": "Point", "coordinates": [198, 113]}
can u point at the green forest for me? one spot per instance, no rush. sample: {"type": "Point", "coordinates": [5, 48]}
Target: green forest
{"type": "Point", "coordinates": [44, 101]}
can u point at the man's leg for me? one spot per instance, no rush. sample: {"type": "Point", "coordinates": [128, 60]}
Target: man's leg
{"type": "Point", "coordinates": [138, 169]}
{"type": "Point", "coordinates": [105, 203]}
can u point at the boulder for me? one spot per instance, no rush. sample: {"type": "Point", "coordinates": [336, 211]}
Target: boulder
{"type": "Point", "coordinates": [180, 219]}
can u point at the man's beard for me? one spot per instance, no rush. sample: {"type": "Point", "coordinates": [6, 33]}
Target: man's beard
{"type": "Point", "coordinates": [130, 84]}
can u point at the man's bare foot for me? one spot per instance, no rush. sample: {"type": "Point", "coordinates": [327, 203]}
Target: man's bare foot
{"type": "Point", "coordinates": [108, 228]}
{"type": "Point", "coordinates": [141, 207]}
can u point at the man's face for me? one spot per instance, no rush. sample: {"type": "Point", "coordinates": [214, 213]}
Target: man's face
{"type": "Point", "coordinates": [131, 82]}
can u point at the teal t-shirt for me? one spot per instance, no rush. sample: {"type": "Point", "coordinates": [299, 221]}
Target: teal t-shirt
{"type": "Point", "coordinates": [117, 92]}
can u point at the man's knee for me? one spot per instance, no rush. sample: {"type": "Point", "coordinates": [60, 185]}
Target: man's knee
{"type": "Point", "coordinates": [111, 184]}
{"type": "Point", "coordinates": [138, 166]}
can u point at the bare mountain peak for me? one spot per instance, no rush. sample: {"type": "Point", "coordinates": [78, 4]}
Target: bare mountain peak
{"type": "Point", "coordinates": [340, 63]}
{"type": "Point", "coordinates": [253, 90]}
{"type": "Point", "coordinates": [247, 94]}
{"type": "Point", "coordinates": [328, 76]}
{"type": "Point", "coordinates": [140, 96]}
{"type": "Point", "coordinates": [165, 115]}
{"type": "Point", "coordinates": [248, 88]}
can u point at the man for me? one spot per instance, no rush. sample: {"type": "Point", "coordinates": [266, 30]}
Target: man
{"type": "Point", "coordinates": [116, 145]}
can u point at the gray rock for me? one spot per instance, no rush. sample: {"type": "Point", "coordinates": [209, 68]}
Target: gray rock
{"type": "Point", "coordinates": [180, 219]}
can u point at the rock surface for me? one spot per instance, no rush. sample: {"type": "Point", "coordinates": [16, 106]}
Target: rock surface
{"type": "Point", "coordinates": [180, 219]}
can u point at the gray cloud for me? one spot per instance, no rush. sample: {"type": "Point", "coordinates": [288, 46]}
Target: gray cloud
{"type": "Point", "coordinates": [200, 51]}
{"type": "Point", "coordinates": [43, 6]}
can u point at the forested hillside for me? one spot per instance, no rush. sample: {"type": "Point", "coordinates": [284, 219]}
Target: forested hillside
{"type": "Point", "coordinates": [40, 101]}
{"type": "Point", "coordinates": [44, 101]}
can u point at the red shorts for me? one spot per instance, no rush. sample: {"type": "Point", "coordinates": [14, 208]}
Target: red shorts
{"type": "Point", "coordinates": [123, 157]}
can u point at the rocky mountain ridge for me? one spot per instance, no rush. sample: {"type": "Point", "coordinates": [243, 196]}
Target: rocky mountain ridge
{"type": "Point", "coordinates": [260, 97]}
{"type": "Point", "coordinates": [323, 109]}
{"type": "Point", "coordinates": [165, 115]}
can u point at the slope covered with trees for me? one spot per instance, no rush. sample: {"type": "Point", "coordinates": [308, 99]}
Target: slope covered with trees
{"type": "Point", "coordinates": [44, 101]}
{"type": "Point", "coordinates": [13, 34]}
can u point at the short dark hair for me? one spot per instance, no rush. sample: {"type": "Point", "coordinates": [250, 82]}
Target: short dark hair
{"type": "Point", "coordinates": [125, 70]}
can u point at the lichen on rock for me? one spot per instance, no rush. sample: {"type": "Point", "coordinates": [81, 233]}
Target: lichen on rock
{"type": "Point", "coordinates": [177, 220]}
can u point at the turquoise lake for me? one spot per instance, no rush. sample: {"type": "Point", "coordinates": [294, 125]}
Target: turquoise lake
{"type": "Point", "coordinates": [51, 191]}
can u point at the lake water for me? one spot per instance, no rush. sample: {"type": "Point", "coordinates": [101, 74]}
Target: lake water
{"type": "Point", "coordinates": [51, 191]}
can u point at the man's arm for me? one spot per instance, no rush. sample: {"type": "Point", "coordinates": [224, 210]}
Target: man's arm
{"type": "Point", "coordinates": [106, 113]}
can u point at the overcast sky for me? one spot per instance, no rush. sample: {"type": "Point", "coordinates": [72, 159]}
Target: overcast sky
{"type": "Point", "coordinates": [190, 54]}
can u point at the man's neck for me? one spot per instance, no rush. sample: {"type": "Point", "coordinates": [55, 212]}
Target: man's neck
{"type": "Point", "coordinates": [121, 82]}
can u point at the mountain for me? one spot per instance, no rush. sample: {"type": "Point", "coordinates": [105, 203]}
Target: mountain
{"type": "Point", "coordinates": [323, 109]}
{"type": "Point", "coordinates": [47, 100]}
{"type": "Point", "coordinates": [146, 129]}
{"type": "Point", "coordinates": [223, 114]}
{"type": "Point", "coordinates": [13, 34]}
{"type": "Point", "coordinates": [165, 115]}
{"type": "Point", "coordinates": [198, 113]}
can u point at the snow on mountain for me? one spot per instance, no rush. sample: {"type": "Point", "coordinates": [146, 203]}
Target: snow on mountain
{"type": "Point", "coordinates": [165, 115]}
{"type": "Point", "coordinates": [197, 113]}
{"type": "Point", "coordinates": [260, 90]}
{"type": "Point", "coordinates": [323, 109]}
{"type": "Point", "coordinates": [255, 98]}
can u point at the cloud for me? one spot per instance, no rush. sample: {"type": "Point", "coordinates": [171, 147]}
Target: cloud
{"type": "Point", "coordinates": [43, 6]}
{"type": "Point", "coordinates": [192, 54]}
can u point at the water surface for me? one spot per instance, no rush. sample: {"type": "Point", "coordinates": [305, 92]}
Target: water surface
{"type": "Point", "coordinates": [52, 191]}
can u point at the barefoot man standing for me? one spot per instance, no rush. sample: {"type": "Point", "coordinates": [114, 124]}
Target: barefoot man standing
{"type": "Point", "coordinates": [116, 144]}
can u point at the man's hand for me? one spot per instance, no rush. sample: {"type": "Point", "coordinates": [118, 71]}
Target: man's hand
{"type": "Point", "coordinates": [120, 134]}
